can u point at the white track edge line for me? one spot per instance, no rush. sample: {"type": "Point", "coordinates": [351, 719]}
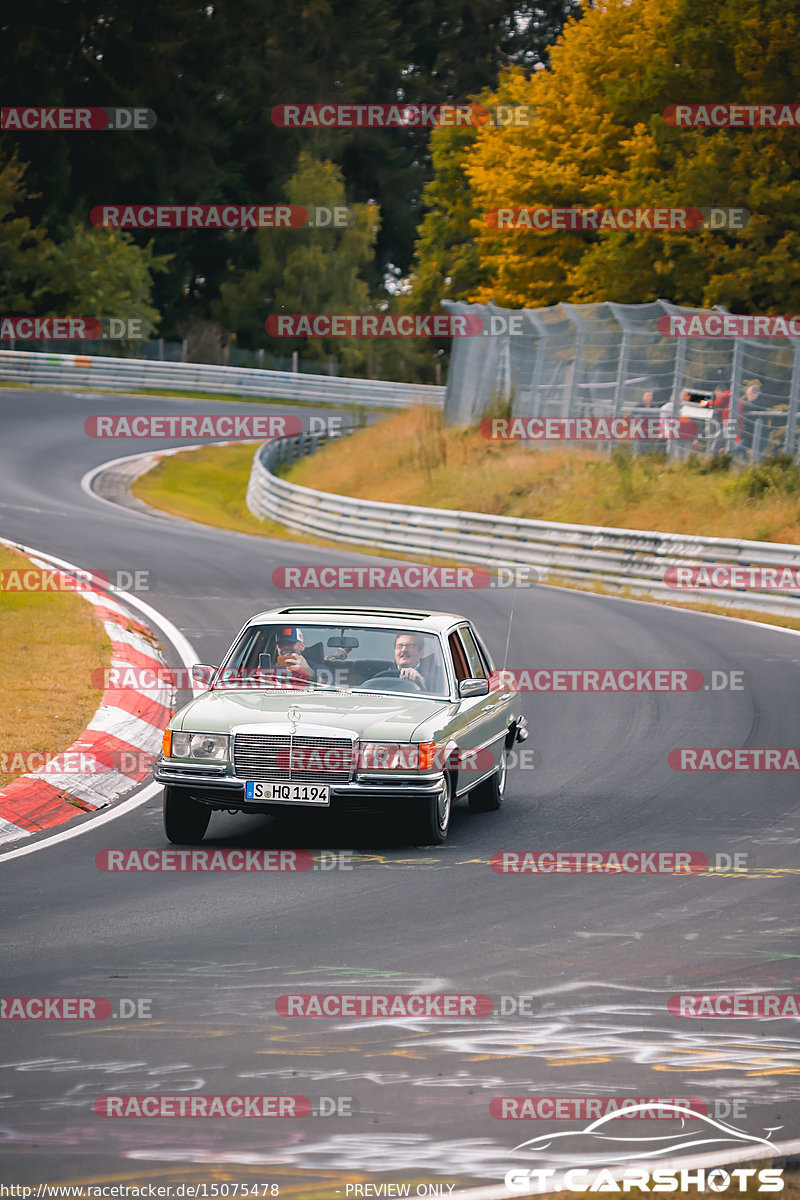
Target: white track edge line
{"type": "Point", "coordinates": [186, 653]}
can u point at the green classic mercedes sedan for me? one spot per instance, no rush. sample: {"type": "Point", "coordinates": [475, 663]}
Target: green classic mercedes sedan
{"type": "Point", "coordinates": [362, 708]}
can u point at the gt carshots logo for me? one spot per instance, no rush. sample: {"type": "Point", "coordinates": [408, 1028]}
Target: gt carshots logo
{"type": "Point", "coordinates": [76, 119]}
{"type": "Point", "coordinates": [535, 1181]}
{"type": "Point", "coordinates": [610, 1147]}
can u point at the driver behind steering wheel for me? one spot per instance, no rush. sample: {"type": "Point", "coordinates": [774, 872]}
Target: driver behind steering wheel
{"type": "Point", "coordinates": [408, 650]}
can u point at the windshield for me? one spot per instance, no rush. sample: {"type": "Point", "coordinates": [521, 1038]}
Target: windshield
{"type": "Point", "coordinates": [336, 657]}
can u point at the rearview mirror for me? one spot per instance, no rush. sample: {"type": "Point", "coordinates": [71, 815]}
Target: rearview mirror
{"type": "Point", "coordinates": [473, 687]}
{"type": "Point", "coordinates": [343, 643]}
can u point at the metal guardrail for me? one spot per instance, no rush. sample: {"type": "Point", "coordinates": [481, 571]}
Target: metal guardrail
{"type": "Point", "coordinates": [126, 374]}
{"type": "Point", "coordinates": [618, 559]}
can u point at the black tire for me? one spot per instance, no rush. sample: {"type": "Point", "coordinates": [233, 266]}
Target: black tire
{"type": "Point", "coordinates": [488, 795]}
{"type": "Point", "coordinates": [431, 822]}
{"type": "Point", "coordinates": [185, 819]}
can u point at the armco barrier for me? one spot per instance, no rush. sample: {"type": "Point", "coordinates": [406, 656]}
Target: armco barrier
{"type": "Point", "coordinates": [614, 558]}
{"type": "Point", "coordinates": [128, 374]}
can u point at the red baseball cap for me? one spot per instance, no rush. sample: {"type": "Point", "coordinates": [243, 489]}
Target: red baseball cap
{"type": "Point", "coordinates": [290, 633]}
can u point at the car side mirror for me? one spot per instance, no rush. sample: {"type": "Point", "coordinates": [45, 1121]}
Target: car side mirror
{"type": "Point", "coordinates": [203, 673]}
{"type": "Point", "coordinates": [473, 687]}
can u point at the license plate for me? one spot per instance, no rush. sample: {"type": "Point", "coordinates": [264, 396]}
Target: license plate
{"type": "Point", "coordinates": [287, 793]}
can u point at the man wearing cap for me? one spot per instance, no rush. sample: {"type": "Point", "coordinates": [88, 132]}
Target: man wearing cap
{"type": "Point", "coordinates": [290, 646]}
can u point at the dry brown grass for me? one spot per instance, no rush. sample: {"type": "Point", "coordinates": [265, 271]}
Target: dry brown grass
{"type": "Point", "coordinates": [50, 642]}
{"type": "Point", "coordinates": [411, 458]}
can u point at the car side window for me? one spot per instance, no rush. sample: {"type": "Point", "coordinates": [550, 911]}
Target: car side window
{"type": "Point", "coordinates": [485, 655]}
{"type": "Point", "coordinates": [459, 657]}
{"type": "Point", "coordinates": [476, 668]}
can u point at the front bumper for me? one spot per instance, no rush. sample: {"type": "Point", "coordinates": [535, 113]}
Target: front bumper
{"type": "Point", "coordinates": [227, 791]}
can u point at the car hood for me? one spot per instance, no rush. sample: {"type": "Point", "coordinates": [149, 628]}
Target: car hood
{"type": "Point", "coordinates": [370, 716]}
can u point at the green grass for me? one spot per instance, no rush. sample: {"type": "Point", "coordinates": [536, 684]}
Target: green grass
{"type": "Point", "coordinates": [51, 643]}
{"type": "Point", "coordinates": [411, 458]}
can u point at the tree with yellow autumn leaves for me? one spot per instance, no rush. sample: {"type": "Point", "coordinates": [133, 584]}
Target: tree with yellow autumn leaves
{"type": "Point", "coordinates": [600, 138]}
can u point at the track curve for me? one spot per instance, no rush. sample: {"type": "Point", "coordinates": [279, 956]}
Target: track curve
{"type": "Point", "coordinates": [600, 954]}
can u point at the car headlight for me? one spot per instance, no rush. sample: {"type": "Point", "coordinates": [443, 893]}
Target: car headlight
{"type": "Point", "coordinates": [205, 747]}
{"type": "Point", "coordinates": [397, 756]}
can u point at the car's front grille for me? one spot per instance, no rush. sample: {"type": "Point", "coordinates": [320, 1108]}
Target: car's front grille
{"type": "Point", "coordinates": [281, 758]}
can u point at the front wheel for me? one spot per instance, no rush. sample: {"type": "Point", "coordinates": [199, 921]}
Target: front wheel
{"type": "Point", "coordinates": [185, 819]}
{"type": "Point", "coordinates": [488, 796]}
{"type": "Point", "coordinates": [431, 822]}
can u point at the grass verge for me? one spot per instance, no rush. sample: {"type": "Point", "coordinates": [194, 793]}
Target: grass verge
{"type": "Point", "coordinates": [51, 643]}
{"type": "Point", "coordinates": [412, 458]}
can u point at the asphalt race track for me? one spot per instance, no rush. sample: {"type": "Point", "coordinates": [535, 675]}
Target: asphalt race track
{"type": "Point", "coordinates": [601, 955]}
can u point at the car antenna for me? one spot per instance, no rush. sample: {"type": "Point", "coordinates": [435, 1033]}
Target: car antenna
{"type": "Point", "coordinates": [510, 619]}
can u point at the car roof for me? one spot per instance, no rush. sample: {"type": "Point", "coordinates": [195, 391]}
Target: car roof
{"type": "Point", "coordinates": [393, 618]}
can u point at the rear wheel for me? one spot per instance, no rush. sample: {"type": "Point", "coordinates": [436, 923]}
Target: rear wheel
{"type": "Point", "coordinates": [431, 821]}
{"type": "Point", "coordinates": [185, 819]}
{"type": "Point", "coordinates": [488, 796]}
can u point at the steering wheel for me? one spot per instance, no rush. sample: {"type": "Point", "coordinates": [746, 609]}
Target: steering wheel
{"type": "Point", "coordinates": [391, 684]}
